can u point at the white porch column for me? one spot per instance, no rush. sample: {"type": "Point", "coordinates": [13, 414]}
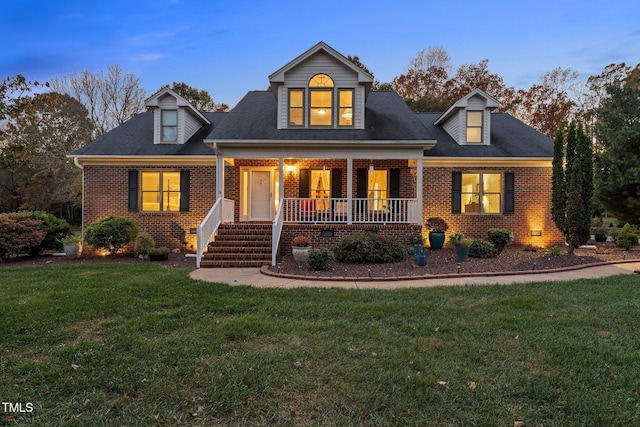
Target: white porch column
{"type": "Point", "coordinates": [280, 180]}
{"type": "Point", "coordinates": [219, 177]}
{"type": "Point", "coordinates": [419, 189]}
{"type": "Point", "coordinates": [349, 190]}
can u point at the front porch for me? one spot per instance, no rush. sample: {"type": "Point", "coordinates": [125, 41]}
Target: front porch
{"type": "Point", "coordinates": [351, 184]}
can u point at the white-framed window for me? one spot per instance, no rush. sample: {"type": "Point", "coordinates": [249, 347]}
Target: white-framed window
{"type": "Point", "coordinates": [160, 191]}
{"type": "Point", "coordinates": [474, 127]}
{"type": "Point", "coordinates": [481, 192]}
{"type": "Point", "coordinates": [321, 100]}
{"type": "Point", "coordinates": [169, 125]}
{"type": "Point", "coordinates": [296, 107]}
{"type": "Point", "coordinates": [378, 189]}
{"type": "Point", "coordinates": [345, 107]}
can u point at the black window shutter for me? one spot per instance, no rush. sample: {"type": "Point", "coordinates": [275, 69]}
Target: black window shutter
{"type": "Point", "coordinates": [304, 186]}
{"type": "Point", "coordinates": [362, 181]}
{"type": "Point", "coordinates": [336, 183]}
{"type": "Point", "coordinates": [456, 192]}
{"type": "Point", "coordinates": [394, 187]}
{"type": "Point", "coordinates": [133, 190]}
{"type": "Point", "coordinates": [509, 192]}
{"type": "Point", "coordinates": [185, 186]}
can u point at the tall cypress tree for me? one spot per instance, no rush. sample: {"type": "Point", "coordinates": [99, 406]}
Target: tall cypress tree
{"type": "Point", "coordinates": [558, 184]}
{"type": "Point", "coordinates": [572, 185]}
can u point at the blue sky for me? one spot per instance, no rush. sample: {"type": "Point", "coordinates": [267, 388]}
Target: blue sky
{"type": "Point", "coordinates": [230, 47]}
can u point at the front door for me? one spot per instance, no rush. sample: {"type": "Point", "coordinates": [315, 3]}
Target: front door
{"type": "Point", "coordinates": [260, 195]}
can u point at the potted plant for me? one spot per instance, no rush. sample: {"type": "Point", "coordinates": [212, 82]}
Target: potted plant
{"type": "Point", "coordinates": [72, 245]}
{"type": "Point", "coordinates": [159, 254]}
{"type": "Point", "coordinates": [300, 247]}
{"type": "Point", "coordinates": [416, 242]}
{"type": "Point", "coordinates": [437, 227]}
{"type": "Point", "coordinates": [420, 256]}
{"type": "Point", "coordinates": [461, 244]}
{"type": "Point", "coordinates": [600, 234]}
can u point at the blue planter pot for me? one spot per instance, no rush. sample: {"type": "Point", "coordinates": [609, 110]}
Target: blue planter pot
{"type": "Point", "coordinates": [436, 239]}
{"type": "Point", "coordinates": [420, 258]}
{"type": "Point", "coordinates": [462, 252]}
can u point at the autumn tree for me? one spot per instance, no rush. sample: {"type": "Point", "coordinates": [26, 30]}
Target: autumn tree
{"type": "Point", "coordinates": [38, 139]}
{"type": "Point", "coordinates": [547, 104]}
{"type": "Point", "coordinates": [477, 76]}
{"type": "Point", "coordinates": [618, 155]}
{"type": "Point", "coordinates": [110, 97]}
{"type": "Point", "coordinates": [200, 99]}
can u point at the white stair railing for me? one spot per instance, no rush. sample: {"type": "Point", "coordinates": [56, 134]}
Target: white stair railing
{"type": "Point", "coordinates": [207, 228]}
{"type": "Point", "coordinates": [276, 232]}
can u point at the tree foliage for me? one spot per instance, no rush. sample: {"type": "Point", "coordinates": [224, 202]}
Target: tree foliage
{"type": "Point", "coordinates": [572, 186]}
{"type": "Point", "coordinates": [40, 133]}
{"type": "Point", "coordinates": [110, 97]}
{"type": "Point", "coordinates": [618, 153]}
{"type": "Point", "coordinates": [201, 100]}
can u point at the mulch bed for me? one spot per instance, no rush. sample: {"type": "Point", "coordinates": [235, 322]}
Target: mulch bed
{"type": "Point", "coordinates": [444, 262]}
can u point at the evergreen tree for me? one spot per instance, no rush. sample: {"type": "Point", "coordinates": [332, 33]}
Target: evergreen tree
{"type": "Point", "coordinates": [558, 184]}
{"type": "Point", "coordinates": [618, 160]}
{"type": "Point", "coordinates": [572, 185]}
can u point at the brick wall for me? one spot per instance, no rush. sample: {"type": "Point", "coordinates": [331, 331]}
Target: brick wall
{"type": "Point", "coordinates": [532, 205]}
{"type": "Point", "coordinates": [106, 193]}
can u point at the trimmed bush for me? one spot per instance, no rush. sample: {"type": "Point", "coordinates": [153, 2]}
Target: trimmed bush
{"type": "Point", "coordinates": [481, 248]}
{"type": "Point", "coordinates": [365, 247]}
{"type": "Point", "coordinates": [55, 230]}
{"type": "Point", "coordinates": [19, 234]}
{"type": "Point", "coordinates": [626, 237]}
{"type": "Point", "coordinates": [500, 238]}
{"type": "Point", "coordinates": [320, 259]}
{"type": "Point", "coordinates": [144, 244]}
{"type": "Point", "coordinates": [111, 233]}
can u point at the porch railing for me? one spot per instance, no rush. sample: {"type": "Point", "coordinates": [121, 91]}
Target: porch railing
{"type": "Point", "coordinates": [336, 210]}
{"type": "Point", "coordinates": [222, 211]}
{"type": "Point", "coordinates": [276, 232]}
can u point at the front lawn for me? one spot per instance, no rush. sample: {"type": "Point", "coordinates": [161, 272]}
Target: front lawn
{"type": "Point", "coordinates": [125, 344]}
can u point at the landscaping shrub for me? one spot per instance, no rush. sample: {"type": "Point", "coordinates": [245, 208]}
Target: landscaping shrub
{"type": "Point", "coordinates": [626, 237]}
{"type": "Point", "coordinates": [365, 247]}
{"type": "Point", "coordinates": [500, 238]}
{"type": "Point", "coordinates": [55, 230]}
{"type": "Point", "coordinates": [320, 259]}
{"type": "Point", "coordinates": [19, 234]}
{"type": "Point", "coordinates": [144, 244]}
{"type": "Point", "coordinates": [111, 233]}
{"type": "Point", "coordinates": [481, 248]}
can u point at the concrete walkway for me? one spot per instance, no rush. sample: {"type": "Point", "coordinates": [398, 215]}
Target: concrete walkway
{"type": "Point", "coordinates": [253, 277]}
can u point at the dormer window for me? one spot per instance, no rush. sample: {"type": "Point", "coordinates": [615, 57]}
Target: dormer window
{"type": "Point", "coordinates": [169, 125]}
{"type": "Point", "coordinates": [474, 127]}
{"type": "Point", "coordinates": [321, 104]}
{"type": "Point", "coordinates": [321, 100]}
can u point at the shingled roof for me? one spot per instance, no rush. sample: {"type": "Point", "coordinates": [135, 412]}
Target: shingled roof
{"type": "Point", "coordinates": [509, 138]}
{"type": "Point", "coordinates": [388, 118]}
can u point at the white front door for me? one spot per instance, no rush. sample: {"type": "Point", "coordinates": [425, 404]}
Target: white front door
{"type": "Point", "coordinates": [260, 197]}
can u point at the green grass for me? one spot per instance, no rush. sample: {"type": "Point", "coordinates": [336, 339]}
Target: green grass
{"type": "Point", "coordinates": [121, 344]}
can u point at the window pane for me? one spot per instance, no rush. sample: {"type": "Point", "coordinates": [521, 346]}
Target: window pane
{"type": "Point", "coordinates": [320, 117]}
{"type": "Point", "coordinates": [345, 117]}
{"type": "Point", "coordinates": [491, 203]}
{"type": "Point", "coordinates": [491, 182]}
{"type": "Point", "coordinates": [346, 98]}
{"type": "Point", "coordinates": [295, 117]}
{"type": "Point", "coordinates": [171, 181]}
{"type": "Point", "coordinates": [474, 135]}
{"type": "Point", "coordinates": [150, 201]}
{"type": "Point", "coordinates": [377, 189]}
{"type": "Point", "coordinates": [321, 80]}
{"type": "Point", "coordinates": [150, 181]}
{"type": "Point", "coordinates": [295, 98]}
{"type": "Point", "coordinates": [171, 201]}
{"type": "Point", "coordinates": [470, 192]}
{"type": "Point", "coordinates": [321, 188]}
{"type": "Point", "coordinates": [321, 98]}
{"type": "Point", "coordinates": [474, 118]}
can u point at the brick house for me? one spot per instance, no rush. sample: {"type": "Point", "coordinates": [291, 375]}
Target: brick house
{"type": "Point", "coordinates": [318, 154]}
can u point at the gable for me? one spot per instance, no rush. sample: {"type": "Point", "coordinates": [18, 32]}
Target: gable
{"type": "Point", "coordinates": [468, 120]}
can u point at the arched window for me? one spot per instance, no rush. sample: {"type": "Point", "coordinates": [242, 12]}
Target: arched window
{"type": "Point", "coordinates": [321, 100]}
